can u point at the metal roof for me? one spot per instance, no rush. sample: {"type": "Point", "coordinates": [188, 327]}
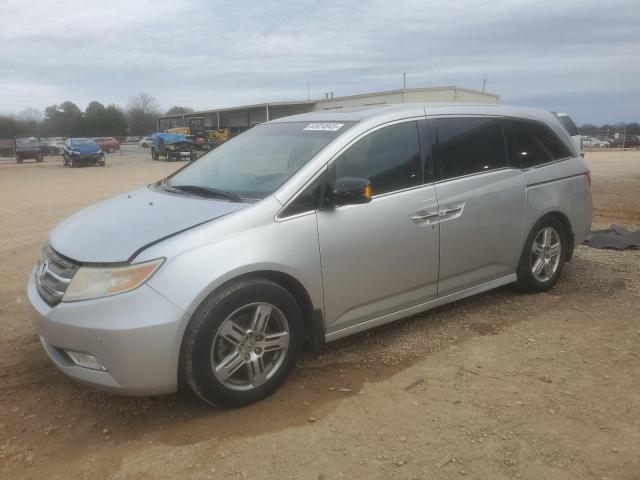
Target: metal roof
{"type": "Point", "coordinates": [327, 100]}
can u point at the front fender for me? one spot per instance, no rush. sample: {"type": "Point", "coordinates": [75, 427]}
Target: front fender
{"type": "Point", "coordinates": [289, 247]}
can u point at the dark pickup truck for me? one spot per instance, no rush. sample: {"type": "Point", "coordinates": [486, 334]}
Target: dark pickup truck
{"type": "Point", "coordinates": [29, 147]}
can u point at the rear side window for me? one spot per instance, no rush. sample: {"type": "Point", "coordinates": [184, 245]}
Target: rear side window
{"type": "Point", "coordinates": [535, 143]}
{"type": "Point", "coordinates": [389, 158]}
{"type": "Point", "coordinates": [469, 145]}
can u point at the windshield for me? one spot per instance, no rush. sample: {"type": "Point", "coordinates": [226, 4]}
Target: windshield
{"type": "Point", "coordinates": [26, 142]}
{"type": "Point", "coordinates": [253, 165]}
{"type": "Point", "coordinates": [82, 142]}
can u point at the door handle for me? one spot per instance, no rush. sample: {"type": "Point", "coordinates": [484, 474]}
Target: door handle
{"type": "Point", "coordinates": [451, 211]}
{"type": "Point", "coordinates": [424, 217]}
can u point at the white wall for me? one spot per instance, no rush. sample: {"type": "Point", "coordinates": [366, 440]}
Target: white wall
{"type": "Point", "coordinates": [409, 96]}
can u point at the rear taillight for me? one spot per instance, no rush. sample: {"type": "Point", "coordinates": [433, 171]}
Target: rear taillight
{"type": "Point", "coordinates": [588, 175]}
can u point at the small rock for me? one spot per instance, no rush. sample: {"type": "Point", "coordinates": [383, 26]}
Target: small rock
{"type": "Point", "coordinates": [105, 431]}
{"type": "Point", "coordinates": [345, 390]}
{"type": "Point", "coordinates": [403, 439]}
{"type": "Point", "coordinates": [399, 463]}
{"type": "Point", "coordinates": [615, 450]}
{"type": "Point", "coordinates": [312, 419]}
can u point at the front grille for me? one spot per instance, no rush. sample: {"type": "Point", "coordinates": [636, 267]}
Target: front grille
{"type": "Point", "coordinates": [53, 275]}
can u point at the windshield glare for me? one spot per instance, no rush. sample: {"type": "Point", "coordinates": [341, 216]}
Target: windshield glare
{"type": "Point", "coordinates": [256, 163]}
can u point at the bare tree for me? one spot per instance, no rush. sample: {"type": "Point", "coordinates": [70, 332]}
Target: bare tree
{"type": "Point", "coordinates": [142, 112]}
{"type": "Point", "coordinates": [30, 115]}
{"type": "Point", "coordinates": [178, 110]}
{"type": "Point", "coordinates": [143, 103]}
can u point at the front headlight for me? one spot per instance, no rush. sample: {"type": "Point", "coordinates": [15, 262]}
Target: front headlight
{"type": "Point", "coordinates": [91, 282]}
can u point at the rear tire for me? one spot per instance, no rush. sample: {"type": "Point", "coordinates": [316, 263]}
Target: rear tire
{"type": "Point", "coordinates": [543, 256]}
{"type": "Point", "coordinates": [247, 360]}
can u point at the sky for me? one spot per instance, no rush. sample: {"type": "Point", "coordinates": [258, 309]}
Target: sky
{"type": "Point", "coordinates": [580, 57]}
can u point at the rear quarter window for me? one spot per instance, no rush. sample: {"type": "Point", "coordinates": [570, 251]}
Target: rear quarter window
{"type": "Point", "coordinates": [569, 124]}
{"type": "Point", "coordinates": [534, 143]}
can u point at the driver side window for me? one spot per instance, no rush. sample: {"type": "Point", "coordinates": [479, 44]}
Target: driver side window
{"type": "Point", "coordinates": [389, 158]}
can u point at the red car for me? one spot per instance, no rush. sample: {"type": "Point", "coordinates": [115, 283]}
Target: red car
{"type": "Point", "coordinates": [107, 144]}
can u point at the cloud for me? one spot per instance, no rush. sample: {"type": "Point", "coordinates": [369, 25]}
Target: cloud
{"type": "Point", "coordinates": [557, 55]}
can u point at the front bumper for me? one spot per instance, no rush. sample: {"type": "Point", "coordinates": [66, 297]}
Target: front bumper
{"type": "Point", "coordinates": [87, 159]}
{"type": "Point", "coordinates": [135, 335]}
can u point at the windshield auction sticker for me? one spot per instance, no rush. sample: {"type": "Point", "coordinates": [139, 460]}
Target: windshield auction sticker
{"type": "Point", "coordinates": [326, 127]}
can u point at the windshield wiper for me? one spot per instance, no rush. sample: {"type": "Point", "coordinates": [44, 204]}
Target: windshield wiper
{"type": "Point", "coordinates": [204, 191]}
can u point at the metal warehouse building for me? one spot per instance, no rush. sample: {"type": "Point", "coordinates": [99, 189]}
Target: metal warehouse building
{"type": "Point", "coordinates": [238, 119]}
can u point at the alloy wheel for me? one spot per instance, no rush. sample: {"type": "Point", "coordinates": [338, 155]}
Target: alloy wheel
{"type": "Point", "coordinates": [250, 346]}
{"type": "Point", "coordinates": [545, 254]}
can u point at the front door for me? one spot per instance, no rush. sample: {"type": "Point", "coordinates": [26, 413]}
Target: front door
{"type": "Point", "coordinates": [380, 257]}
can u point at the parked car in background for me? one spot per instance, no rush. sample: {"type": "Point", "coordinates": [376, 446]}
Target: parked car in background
{"type": "Point", "coordinates": [593, 142]}
{"type": "Point", "coordinates": [571, 127]}
{"type": "Point", "coordinates": [146, 142]}
{"type": "Point", "coordinates": [611, 141]}
{"type": "Point", "coordinates": [29, 147]}
{"type": "Point", "coordinates": [132, 139]}
{"type": "Point", "coordinates": [55, 147]}
{"type": "Point", "coordinates": [307, 228]}
{"type": "Point", "coordinates": [107, 144]}
{"type": "Point", "coordinates": [81, 152]}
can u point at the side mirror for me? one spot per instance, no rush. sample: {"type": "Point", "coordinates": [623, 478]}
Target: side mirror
{"type": "Point", "coordinates": [351, 191]}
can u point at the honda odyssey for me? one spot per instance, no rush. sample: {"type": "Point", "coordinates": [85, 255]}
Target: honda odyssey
{"type": "Point", "coordinates": [301, 231]}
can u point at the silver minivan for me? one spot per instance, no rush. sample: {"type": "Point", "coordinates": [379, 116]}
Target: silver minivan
{"type": "Point", "coordinates": [301, 231]}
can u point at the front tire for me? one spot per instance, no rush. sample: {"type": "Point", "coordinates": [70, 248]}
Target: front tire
{"type": "Point", "coordinates": [544, 255]}
{"type": "Point", "coordinates": [242, 343]}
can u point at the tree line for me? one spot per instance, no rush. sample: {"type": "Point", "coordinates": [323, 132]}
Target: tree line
{"type": "Point", "coordinates": [632, 128]}
{"type": "Point", "coordinates": [97, 120]}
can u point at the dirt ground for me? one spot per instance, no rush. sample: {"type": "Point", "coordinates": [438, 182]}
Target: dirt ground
{"type": "Point", "coordinates": [501, 385]}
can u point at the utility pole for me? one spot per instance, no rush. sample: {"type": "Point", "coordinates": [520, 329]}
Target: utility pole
{"type": "Point", "coordinates": [404, 84]}
{"type": "Point", "coordinates": [484, 84]}
{"type": "Point", "coordinates": [308, 87]}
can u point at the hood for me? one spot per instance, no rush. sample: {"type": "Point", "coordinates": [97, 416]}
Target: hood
{"type": "Point", "coordinates": [84, 149]}
{"type": "Point", "coordinates": [114, 230]}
